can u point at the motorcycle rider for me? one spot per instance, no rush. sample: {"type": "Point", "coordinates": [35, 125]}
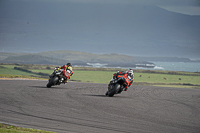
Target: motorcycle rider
{"type": "Point", "coordinates": [66, 69]}
{"type": "Point", "coordinates": [130, 75]}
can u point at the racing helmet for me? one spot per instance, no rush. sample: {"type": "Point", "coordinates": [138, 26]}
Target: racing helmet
{"type": "Point", "coordinates": [130, 71]}
{"type": "Point", "coordinates": [69, 64]}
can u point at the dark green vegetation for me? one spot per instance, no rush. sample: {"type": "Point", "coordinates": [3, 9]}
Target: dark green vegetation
{"type": "Point", "coordinates": [103, 75]}
{"type": "Point", "coordinates": [82, 58]}
{"type": "Point", "coordinates": [13, 129]}
{"type": "Point", "coordinates": [77, 58]}
{"type": "Point", "coordinates": [26, 58]}
{"type": "Point", "coordinates": [167, 59]}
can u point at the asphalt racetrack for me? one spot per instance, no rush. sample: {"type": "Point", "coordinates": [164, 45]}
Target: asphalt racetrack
{"type": "Point", "coordinates": [84, 108]}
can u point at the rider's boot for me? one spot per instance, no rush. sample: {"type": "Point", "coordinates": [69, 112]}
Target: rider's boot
{"type": "Point", "coordinates": [66, 80]}
{"type": "Point", "coordinates": [126, 88]}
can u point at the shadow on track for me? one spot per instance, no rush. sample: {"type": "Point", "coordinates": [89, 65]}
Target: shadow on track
{"type": "Point", "coordinates": [94, 95]}
{"type": "Point", "coordinates": [116, 96]}
{"type": "Point", "coordinates": [58, 88]}
{"type": "Point", "coordinates": [38, 86]}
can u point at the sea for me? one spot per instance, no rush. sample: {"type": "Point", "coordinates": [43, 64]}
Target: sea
{"type": "Point", "coordinates": [169, 66]}
{"type": "Point", "coordinates": [176, 66]}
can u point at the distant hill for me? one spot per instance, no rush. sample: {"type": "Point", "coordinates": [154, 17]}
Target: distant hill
{"type": "Point", "coordinates": [77, 58]}
{"type": "Point", "coordinates": [86, 59]}
{"type": "Point", "coordinates": [165, 59]}
{"type": "Point", "coordinates": [4, 55]}
{"type": "Point", "coordinates": [32, 59]}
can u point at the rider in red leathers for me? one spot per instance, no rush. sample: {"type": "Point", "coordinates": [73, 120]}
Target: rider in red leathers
{"type": "Point", "coordinates": [129, 74]}
{"type": "Point", "coordinates": [67, 69]}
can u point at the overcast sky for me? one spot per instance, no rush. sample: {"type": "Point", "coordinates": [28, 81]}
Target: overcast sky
{"type": "Point", "coordinates": [190, 7]}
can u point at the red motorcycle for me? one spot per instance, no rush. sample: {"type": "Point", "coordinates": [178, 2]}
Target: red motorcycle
{"type": "Point", "coordinates": [57, 77]}
{"type": "Point", "coordinates": [118, 84]}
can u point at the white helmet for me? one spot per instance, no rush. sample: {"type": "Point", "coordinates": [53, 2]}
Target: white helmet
{"type": "Point", "coordinates": [130, 71]}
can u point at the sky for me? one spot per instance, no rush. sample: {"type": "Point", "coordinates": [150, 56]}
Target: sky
{"type": "Point", "coordinates": [130, 27]}
{"type": "Point", "coordinates": [189, 7]}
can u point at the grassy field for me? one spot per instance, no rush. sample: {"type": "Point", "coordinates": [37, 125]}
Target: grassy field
{"type": "Point", "coordinates": [103, 75]}
{"type": "Point", "coordinates": [13, 129]}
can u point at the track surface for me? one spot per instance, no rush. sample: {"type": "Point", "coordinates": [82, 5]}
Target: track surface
{"type": "Point", "coordinates": [83, 108]}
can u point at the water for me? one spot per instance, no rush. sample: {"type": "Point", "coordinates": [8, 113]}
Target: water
{"type": "Point", "coordinates": [177, 66]}
{"type": "Point", "coordinates": [169, 66]}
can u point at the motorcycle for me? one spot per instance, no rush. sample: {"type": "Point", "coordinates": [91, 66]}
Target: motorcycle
{"type": "Point", "coordinates": [57, 77]}
{"type": "Point", "coordinates": [117, 85]}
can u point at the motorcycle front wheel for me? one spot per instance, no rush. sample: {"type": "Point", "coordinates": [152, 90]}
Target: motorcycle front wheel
{"type": "Point", "coordinates": [111, 93]}
{"type": "Point", "coordinates": [52, 82]}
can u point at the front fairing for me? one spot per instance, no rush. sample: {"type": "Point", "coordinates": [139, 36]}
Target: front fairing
{"type": "Point", "coordinates": [58, 73]}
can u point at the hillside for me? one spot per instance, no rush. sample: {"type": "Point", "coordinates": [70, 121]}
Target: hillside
{"type": "Point", "coordinates": [88, 57]}
{"type": "Point", "coordinates": [4, 55]}
{"type": "Point", "coordinates": [77, 58]}
{"type": "Point", "coordinates": [33, 59]}
{"type": "Point", "coordinates": [166, 59]}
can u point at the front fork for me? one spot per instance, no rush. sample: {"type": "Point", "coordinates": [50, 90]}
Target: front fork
{"type": "Point", "coordinates": [111, 86]}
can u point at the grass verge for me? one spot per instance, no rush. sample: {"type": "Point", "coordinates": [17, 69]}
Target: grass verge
{"type": "Point", "coordinates": [103, 75]}
{"type": "Point", "coordinates": [4, 128]}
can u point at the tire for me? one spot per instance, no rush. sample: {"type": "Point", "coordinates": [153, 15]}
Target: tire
{"type": "Point", "coordinates": [52, 82]}
{"type": "Point", "coordinates": [48, 85]}
{"type": "Point", "coordinates": [106, 93]}
{"type": "Point", "coordinates": [114, 90]}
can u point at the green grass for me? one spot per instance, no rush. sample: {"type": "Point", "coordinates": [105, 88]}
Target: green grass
{"type": "Point", "coordinates": [9, 69]}
{"type": "Point", "coordinates": [103, 75]}
{"type": "Point", "coordinates": [159, 78]}
{"type": "Point", "coordinates": [92, 76]}
{"type": "Point", "coordinates": [13, 129]}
